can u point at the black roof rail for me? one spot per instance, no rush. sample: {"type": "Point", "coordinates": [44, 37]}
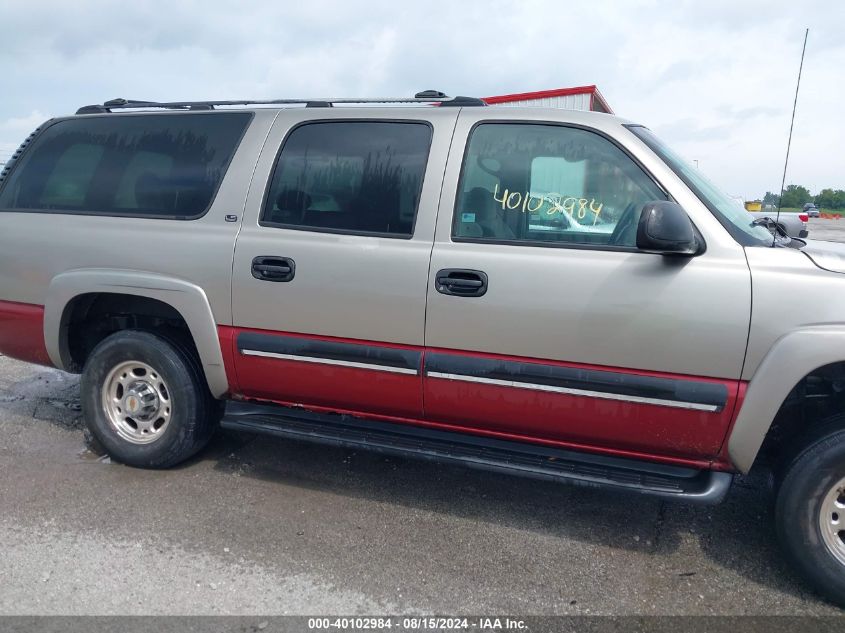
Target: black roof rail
{"type": "Point", "coordinates": [426, 96]}
{"type": "Point", "coordinates": [430, 94]}
{"type": "Point", "coordinates": [464, 102]}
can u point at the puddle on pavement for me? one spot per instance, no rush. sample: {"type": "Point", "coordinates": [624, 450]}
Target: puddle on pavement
{"type": "Point", "coordinates": [93, 452]}
{"type": "Point", "coordinates": [65, 412]}
{"type": "Point", "coordinates": [87, 455]}
{"type": "Point", "coordinates": [71, 405]}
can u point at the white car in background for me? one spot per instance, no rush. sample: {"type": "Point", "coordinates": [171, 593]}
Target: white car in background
{"type": "Point", "coordinates": [793, 224]}
{"type": "Point", "coordinates": [790, 223]}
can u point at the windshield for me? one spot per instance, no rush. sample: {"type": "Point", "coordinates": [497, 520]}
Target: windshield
{"type": "Point", "coordinates": [738, 222]}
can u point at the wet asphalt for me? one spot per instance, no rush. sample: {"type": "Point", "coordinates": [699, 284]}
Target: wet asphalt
{"type": "Point", "coordinates": [258, 525]}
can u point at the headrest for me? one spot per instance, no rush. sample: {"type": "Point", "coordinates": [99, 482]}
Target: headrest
{"type": "Point", "coordinates": [478, 201]}
{"type": "Point", "coordinates": [293, 200]}
{"type": "Point", "coordinates": [152, 192]}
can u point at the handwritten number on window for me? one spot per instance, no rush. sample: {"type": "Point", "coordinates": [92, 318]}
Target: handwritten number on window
{"type": "Point", "coordinates": [530, 203]}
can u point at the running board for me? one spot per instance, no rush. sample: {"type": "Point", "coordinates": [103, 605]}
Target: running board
{"type": "Point", "coordinates": [504, 456]}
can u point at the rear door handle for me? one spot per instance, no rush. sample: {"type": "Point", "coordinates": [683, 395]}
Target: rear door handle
{"type": "Point", "coordinates": [460, 282]}
{"type": "Point", "coordinates": [271, 268]}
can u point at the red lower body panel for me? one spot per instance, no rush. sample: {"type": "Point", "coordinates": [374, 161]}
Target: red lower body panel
{"type": "Point", "coordinates": [326, 383]}
{"type": "Point", "coordinates": [669, 418]}
{"type": "Point", "coordinates": [577, 419]}
{"type": "Point", "coordinates": [22, 332]}
{"type": "Point", "coordinates": [643, 411]}
{"type": "Point", "coordinates": [332, 387]}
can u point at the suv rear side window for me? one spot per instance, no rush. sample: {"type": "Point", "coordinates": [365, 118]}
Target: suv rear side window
{"type": "Point", "coordinates": [549, 184]}
{"type": "Point", "coordinates": [162, 165]}
{"type": "Point", "coordinates": [357, 177]}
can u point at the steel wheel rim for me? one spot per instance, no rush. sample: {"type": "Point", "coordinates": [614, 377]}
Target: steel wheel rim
{"type": "Point", "coordinates": [137, 402]}
{"type": "Point", "coordinates": [832, 520]}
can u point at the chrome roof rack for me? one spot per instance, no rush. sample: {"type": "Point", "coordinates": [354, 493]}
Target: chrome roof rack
{"type": "Point", "coordinates": [424, 97]}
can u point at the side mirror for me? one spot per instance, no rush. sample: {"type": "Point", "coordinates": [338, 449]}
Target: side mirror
{"type": "Point", "coordinates": [665, 228]}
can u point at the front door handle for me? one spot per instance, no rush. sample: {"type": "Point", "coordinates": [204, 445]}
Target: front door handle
{"type": "Point", "coordinates": [460, 282]}
{"type": "Point", "coordinates": [271, 268]}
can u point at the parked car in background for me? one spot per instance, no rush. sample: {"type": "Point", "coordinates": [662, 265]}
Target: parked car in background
{"type": "Point", "coordinates": [793, 224]}
{"type": "Point", "coordinates": [811, 210]}
{"type": "Point", "coordinates": [541, 292]}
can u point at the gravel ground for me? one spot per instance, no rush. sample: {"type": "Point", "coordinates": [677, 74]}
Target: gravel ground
{"type": "Point", "coordinates": [267, 526]}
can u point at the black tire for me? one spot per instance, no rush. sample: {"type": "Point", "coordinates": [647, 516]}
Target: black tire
{"type": "Point", "coordinates": [812, 468]}
{"type": "Point", "coordinates": [192, 418]}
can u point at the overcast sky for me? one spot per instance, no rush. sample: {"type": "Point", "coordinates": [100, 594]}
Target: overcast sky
{"type": "Point", "coordinates": [715, 79]}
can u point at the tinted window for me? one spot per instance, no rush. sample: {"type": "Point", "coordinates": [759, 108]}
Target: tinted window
{"type": "Point", "coordinates": [156, 165]}
{"type": "Point", "coordinates": [732, 216]}
{"type": "Point", "coordinates": [546, 183]}
{"type": "Point", "coordinates": [350, 177]}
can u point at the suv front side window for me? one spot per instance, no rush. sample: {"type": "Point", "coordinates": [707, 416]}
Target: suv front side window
{"type": "Point", "coordinates": [738, 222]}
{"type": "Point", "coordinates": [539, 183]}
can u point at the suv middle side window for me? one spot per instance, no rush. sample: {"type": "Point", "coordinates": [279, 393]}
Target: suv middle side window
{"type": "Point", "coordinates": [357, 177]}
{"type": "Point", "coordinates": [525, 182]}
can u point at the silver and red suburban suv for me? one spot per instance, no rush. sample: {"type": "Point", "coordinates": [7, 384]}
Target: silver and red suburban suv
{"type": "Point", "coordinates": [535, 291]}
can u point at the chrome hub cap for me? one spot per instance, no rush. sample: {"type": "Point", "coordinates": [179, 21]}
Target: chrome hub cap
{"type": "Point", "coordinates": [832, 520]}
{"type": "Point", "coordinates": [136, 402]}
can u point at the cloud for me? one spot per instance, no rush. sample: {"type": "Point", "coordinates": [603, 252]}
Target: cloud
{"type": "Point", "coordinates": [737, 115]}
{"type": "Point", "coordinates": [17, 128]}
{"type": "Point", "coordinates": [687, 129]}
{"type": "Point", "coordinates": [716, 78]}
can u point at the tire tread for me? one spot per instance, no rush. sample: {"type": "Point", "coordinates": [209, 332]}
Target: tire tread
{"type": "Point", "coordinates": [196, 431]}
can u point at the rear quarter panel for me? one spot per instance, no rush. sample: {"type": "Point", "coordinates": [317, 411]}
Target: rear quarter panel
{"type": "Point", "coordinates": [37, 246]}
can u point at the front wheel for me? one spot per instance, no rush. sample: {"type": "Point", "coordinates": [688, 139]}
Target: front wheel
{"type": "Point", "coordinates": [145, 399]}
{"type": "Point", "coordinates": [810, 509]}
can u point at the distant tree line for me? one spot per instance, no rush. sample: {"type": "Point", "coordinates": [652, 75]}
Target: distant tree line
{"type": "Point", "coordinates": [798, 196]}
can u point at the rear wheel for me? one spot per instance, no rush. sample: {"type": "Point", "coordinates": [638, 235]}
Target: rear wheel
{"type": "Point", "coordinates": [146, 401]}
{"type": "Point", "coordinates": [810, 508]}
